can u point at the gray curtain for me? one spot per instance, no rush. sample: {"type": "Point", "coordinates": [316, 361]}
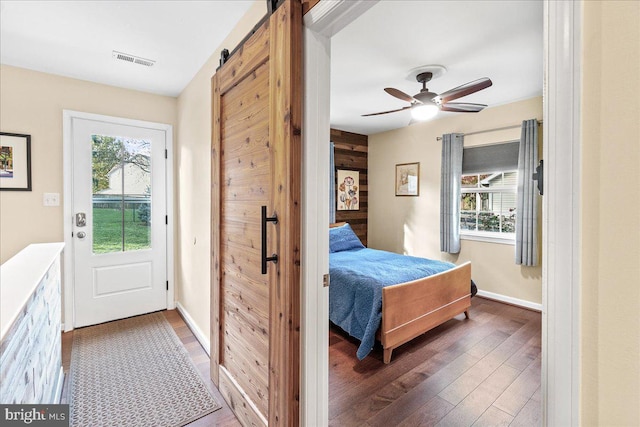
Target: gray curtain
{"type": "Point", "coordinates": [452, 147]}
{"type": "Point", "coordinates": [527, 209]}
{"type": "Point", "coordinates": [332, 184]}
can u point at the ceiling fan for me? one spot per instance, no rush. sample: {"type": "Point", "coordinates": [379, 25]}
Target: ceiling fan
{"type": "Point", "coordinates": [426, 104]}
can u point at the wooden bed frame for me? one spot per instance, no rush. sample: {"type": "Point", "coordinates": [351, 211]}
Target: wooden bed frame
{"type": "Point", "coordinates": [412, 308]}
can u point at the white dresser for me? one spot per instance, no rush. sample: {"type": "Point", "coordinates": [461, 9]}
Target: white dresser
{"type": "Point", "coordinates": [30, 313]}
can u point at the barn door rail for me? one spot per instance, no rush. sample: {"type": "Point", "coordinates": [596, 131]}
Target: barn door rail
{"type": "Point", "coordinates": [273, 258]}
{"type": "Point", "coordinates": [272, 6]}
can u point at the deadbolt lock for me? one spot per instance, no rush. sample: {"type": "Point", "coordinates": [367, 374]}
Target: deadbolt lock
{"type": "Point", "coordinates": [81, 219]}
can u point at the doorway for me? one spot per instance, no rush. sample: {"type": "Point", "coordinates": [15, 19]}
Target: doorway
{"type": "Point", "coordinates": [117, 227]}
{"type": "Point", "coordinates": [560, 366]}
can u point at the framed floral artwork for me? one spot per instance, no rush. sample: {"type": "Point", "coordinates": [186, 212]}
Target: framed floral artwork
{"type": "Point", "coordinates": [348, 190]}
{"type": "Point", "coordinates": [408, 179]}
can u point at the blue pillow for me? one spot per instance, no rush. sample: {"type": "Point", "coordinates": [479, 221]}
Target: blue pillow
{"type": "Point", "coordinates": [343, 239]}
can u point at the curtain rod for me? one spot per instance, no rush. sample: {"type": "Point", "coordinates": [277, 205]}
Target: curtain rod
{"type": "Point", "coordinates": [439, 138]}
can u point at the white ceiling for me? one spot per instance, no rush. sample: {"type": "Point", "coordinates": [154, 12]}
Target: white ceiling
{"type": "Point", "coordinates": [76, 39]}
{"type": "Point", "coordinates": [502, 40]}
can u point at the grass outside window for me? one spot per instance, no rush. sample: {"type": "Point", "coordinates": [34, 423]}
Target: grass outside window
{"type": "Point", "coordinates": [108, 229]}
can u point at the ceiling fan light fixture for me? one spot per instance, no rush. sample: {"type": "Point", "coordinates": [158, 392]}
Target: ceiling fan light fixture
{"type": "Point", "coordinates": [424, 112]}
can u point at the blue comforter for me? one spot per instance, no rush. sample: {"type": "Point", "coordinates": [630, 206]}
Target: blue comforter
{"type": "Point", "coordinates": [357, 279]}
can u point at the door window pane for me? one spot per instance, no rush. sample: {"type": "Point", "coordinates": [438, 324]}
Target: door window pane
{"type": "Point", "coordinates": [121, 173]}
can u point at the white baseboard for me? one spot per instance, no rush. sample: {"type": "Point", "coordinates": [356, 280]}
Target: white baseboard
{"type": "Point", "coordinates": [510, 300]}
{"type": "Point", "coordinates": [202, 339]}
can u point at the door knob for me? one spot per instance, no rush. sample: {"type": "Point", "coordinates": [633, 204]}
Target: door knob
{"type": "Point", "coordinates": [81, 234]}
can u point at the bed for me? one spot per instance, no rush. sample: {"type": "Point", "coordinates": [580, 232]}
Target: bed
{"type": "Point", "coordinates": [391, 297]}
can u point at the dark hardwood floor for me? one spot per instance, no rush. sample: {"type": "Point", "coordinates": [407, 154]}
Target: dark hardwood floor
{"type": "Point", "coordinates": [484, 371]}
{"type": "Point", "coordinates": [222, 417]}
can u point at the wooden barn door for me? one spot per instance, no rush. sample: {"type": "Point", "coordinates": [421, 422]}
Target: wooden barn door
{"type": "Point", "coordinates": [256, 175]}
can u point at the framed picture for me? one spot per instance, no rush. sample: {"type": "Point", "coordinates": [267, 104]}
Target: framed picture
{"type": "Point", "coordinates": [408, 179]}
{"type": "Point", "coordinates": [15, 162]}
{"type": "Point", "coordinates": [348, 190]}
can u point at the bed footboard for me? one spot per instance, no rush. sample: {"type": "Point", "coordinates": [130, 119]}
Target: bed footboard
{"type": "Point", "coordinates": [412, 308]}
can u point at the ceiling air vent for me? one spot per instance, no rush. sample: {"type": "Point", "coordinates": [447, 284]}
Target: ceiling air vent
{"type": "Point", "coordinates": [132, 58]}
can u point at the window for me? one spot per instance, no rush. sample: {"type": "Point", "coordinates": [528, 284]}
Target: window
{"type": "Point", "coordinates": [488, 205]}
{"type": "Point", "coordinates": [121, 182]}
{"type": "Point", "coordinates": [489, 192]}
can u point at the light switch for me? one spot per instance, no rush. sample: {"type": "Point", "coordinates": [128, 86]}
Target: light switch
{"type": "Point", "coordinates": [51, 199]}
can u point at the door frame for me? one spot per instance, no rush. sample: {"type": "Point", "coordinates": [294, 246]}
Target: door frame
{"type": "Point", "coordinates": [67, 196]}
{"type": "Point", "coordinates": [561, 208]}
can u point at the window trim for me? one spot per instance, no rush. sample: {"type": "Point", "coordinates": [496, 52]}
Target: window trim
{"type": "Point", "coordinates": [489, 237]}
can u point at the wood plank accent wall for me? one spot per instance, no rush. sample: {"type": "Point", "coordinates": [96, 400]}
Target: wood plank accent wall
{"type": "Point", "coordinates": [351, 153]}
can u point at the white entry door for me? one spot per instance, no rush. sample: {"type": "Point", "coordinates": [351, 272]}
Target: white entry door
{"type": "Point", "coordinates": [119, 220]}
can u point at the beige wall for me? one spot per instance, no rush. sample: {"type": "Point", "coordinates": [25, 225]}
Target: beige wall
{"type": "Point", "coordinates": [32, 102]}
{"type": "Point", "coordinates": [610, 215]}
{"type": "Point", "coordinates": [411, 225]}
{"type": "Point", "coordinates": [193, 180]}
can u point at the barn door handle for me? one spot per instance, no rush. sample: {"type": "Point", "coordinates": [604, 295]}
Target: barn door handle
{"type": "Point", "coordinates": [273, 258]}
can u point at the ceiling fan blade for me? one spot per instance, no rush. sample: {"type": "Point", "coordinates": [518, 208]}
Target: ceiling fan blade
{"type": "Point", "coordinates": [399, 94]}
{"type": "Point", "coordinates": [464, 90]}
{"type": "Point", "coordinates": [462, 107]}
{"type": "Point", "coordinates": [386, 112]}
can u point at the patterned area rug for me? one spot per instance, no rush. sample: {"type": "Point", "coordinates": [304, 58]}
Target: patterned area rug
{"type": "Point", "coordinates": [134, 372]}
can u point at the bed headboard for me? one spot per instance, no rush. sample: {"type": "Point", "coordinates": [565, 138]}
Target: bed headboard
{"type": "Point", "coordinates": [337, 224]}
